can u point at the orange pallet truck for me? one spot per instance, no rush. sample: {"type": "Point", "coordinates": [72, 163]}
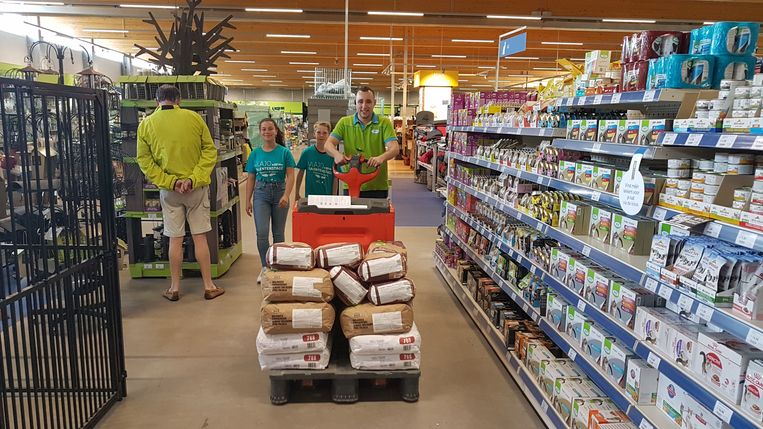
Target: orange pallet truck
{"type": "Point", "coordinates": [317, 226]}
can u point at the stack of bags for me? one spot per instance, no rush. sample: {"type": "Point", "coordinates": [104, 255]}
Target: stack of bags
{"type": "Point", "coordinates": [381, 332]}
{"type": "Point", "coordinates": [296, 315]}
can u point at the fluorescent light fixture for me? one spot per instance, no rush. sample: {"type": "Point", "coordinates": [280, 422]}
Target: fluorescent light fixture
{"type": "Point", "coordinates": [486, 67]}
{"type": "Point", "coordinates": [148, 6]}
{"type": "Point", "coordinates": [708, 23]}
{"type": "Point", "coordinates": [482, 86]}
{"type": "Point", "coordinates": [381, 38]}
{"type": "Point", "coordinates": [371, 54]}
{"type": "Point", "coordinates": [463, 80]}
{"type": "Point", "coordinates": [426, 66]}
{"type": "Point", "coordinates": [220, 75]}
{"type": "Point", "coordinates": [300, 63]}
{"type": "Point", "coordinates": [289, 36]}
{"type": "Point", "coordinates": [232, 50]}
{"type": "Point", "coordinates": [577, 59]}
{"type": "Point", "coordinates": [364, 72]}
{"type": "Point", "coordinates": [264, 75]}
{"type": "Point", "coordinates": [97, 30]}
{"type": "Point", "coordinates": [448, 56]}
{"type": "Point", "coordinates": [468, 74]}
{"type": "Point", "coordinates": [472, 41]}
{"type": "Point", "coordinates": [254, 70]}
{"type": "Point", "coordinates": [308, 77]}
{"type": "Point", "coordinates": [276, 84]}
{"type": "Point", "coordinates": [630, 21]}
{"type": "Point", "coordinates": [366, 65]}
{"type": "Point", "coordinates": [273, 81]}
{"type": "Point", "coordinates": [272, 10]}
{"type": "Point", "coordinates": [374, 12]}
{"type": "Point", "coordinates": [35, 3]}
{"type": "Point", "coordinates": [547, 68]}
{"type": "Point", "coordinates": [562, 43]}
{"type": "Point", "coordinates": [241, 61]}
{"type": "Point", "coordinates": [517, 75]}
{"type": "Point", "coordinates": [509, 33]}
{"type": "Point", "coordinates": [300, 52]}
{"type": "Point", "coordinates": [231, 80]}
{"type": "Point", "coordinates": [521, 58]}
{"type": "Point", "coordinates": [212, 68]}
{"type": "Point", "coordinates": [530, 18]}
{"type": "Point", "coordinates": [305, 71]}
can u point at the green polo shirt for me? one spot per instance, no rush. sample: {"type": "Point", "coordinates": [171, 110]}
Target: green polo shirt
{"type": "Point", "coordinates": [369, 140]}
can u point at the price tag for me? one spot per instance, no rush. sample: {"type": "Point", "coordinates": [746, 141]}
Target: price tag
{"type": "Point", "coordinates": [539, 226]}
{"type": "Point", "coordinates": [705, 312]}
{"type": "Point", "coordinates": [651, 284]}
{"type": "Point", "coordinates": [500, 130]}
{"type": "Point", "coordinates": [596, 195]}
{"type": "Point", "coordinates": [152, 216]}
{"type": "Point", "coordinates": [598, 99]}
{"type": "Point", "coordinates": [519, 215]}
{"type": "Point", "coordinates": [559, 101]}
{"type": "Point", "coordinates": [544, 406]}
{"type": "Point", "coordinates": [653, 360]}
{"type": "Point", "coordinates": [569, 101]}
{"type": "Point", "coordinates": [693, 139]}
{"type": "Point", "coordinates": [581, 306]}
{"type": "Point", "coordinates": [660, 213]}
{"type": "Point", "coordinates": [536, 317]}
{"type": "Point", "coordinates": [526, 308]}
{"type": "Point", "coordinates": [586, 251]}
{"type": "Point", "coordinates": [726, 140]}
{"type": "Point", "coordinates": [148, 266]}
{"type": "Point", "coordinates": [685, 302]}
{"type": "Point", "coordinates": [572, 354]}
{"type": "Point", "coordinates": [596, 147]}
{"type": "Point", "coordinates": [746, 239]}
{"type": "Point", "coordinates": [582, 100]}
{"type": "Point", "coordinates": [519, 174]}
{"type": "Point", "coordinates": [713, 229]}
{"type": "Point", "coordinates": [534, 270]}
{"type": "Point", "coordinates": [645, 425]}
{"type": "Point", "coordinates": [616, 98]}
{"type": "Point", "coordinates": [721, 410]}
{"type": "Point", "coordinates": [649, 96]}
{"type": "Point", "coordinates": [758, 143]}
{"type": "Point", "coordinates": [754, 338]}
{"type": "Point", "coordinates": [665, 292]}
{"type": "Point", "coordinates": [669, 138]}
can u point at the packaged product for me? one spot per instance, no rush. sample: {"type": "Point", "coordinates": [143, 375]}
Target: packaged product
{"type": "Point", "coordinates": [382, 266]}
{"type": "Point", "coordinates": [288, 286]}
{"type": "Point", "coordinates": [553, 369]}
{"type": "Point", "coordinates": [752, 396]}
{"type": "Point", "coordinates": [625, 298]}
{"type": "Point", "coordinates": [567, 390]}
{"type": "Point", "coordinates": [397, 291]}
{"type": "Point", "coordinates": [699, 417]}
{"type": "Point", "coordinates": [349, 288]}
{"type": "Point", "coordinates": [614, 360]}
{"type": "Point", "coordinates": [611, 419]}
{"type": "Point", "coordinates": [556, 312]}
{"type": "Point", "coordinates": [388, 246]}
{"type": "Point", "coordinates": [290, 343]}
{"type": "Point", "coordinates": [408, 342]}
{"type": "Point", "coordinates": [582, 409]}
{"type": "Point", "coordinates": [671, 399]}
{"type": "Point", "coordinates": [597, 286]}
{"type": "Point", "coordinates": [574, 217]}
{"type": "Point", "coordinates": [334, 255]}
{"type": "Point", "coordinates": [369, 319]}
{"type": "Point", "coordinates": [722, 361]}
{"type": "Point", "coordinates": [290, 256]}
{"type": "Point", "coordinates": [601, 224]}
{"type": "Point", "coordinates": [633, 235]}
{"type": "Point", "coordinates": [593, 341]}
{"type": "Point", "coordinates": [536, 352]}
{"type": "Point", "coordinates": [641, 382]}
{"type": "Point", "coordinates": [297, 318]}
{"type": "Point", "coordinates": [304, 360]}
{"type": "Point", "coordinates": [386, 361]}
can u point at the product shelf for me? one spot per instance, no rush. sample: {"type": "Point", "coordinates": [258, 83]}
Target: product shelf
{"type": "Point", "coordinates": [226, 257]}
{"type": "Point", "coordinates": [425, 165]}
{"type": "Point", "coordinates": [512, 131]}
{"type": "Point", "coordinates": [154, 216]}
{"type": "Point", "coordinates": [626, 98]}
{"type": "Point", "coordinates": [622, 149]}
{"type": "Point", "coordinates": [712, 140]}
{"type": "Point", "coordinates": [726, 410]}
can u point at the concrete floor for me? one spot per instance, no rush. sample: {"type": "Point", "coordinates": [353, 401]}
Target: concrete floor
{"type": "Point", "coordinates": [193, 363]}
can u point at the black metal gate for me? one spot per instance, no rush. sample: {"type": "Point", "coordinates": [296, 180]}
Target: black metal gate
{"type": "Point", "coordinates": [61, 349]}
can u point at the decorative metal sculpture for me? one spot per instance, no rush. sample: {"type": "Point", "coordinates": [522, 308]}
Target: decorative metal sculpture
{"type": "Point", "coordinates": [187, 48]}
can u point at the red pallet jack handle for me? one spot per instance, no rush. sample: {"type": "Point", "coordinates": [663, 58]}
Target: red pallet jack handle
{"type": "Point", "coordinates": [354, 178]}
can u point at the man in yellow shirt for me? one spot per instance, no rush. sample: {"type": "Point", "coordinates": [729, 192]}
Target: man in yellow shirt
{"type": "Point", "coordinates": [176, 153]}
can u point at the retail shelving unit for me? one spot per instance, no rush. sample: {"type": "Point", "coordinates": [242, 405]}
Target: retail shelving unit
{"type": "Point", "coordinates": [633, 268]}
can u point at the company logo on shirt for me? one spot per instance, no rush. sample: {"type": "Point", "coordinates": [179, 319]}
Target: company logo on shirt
{"type": "Point", "coordinates": [267, 169]}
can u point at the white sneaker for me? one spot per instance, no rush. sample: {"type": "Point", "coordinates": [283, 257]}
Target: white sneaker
{"type": "Point", "coordinates": [262, 273]}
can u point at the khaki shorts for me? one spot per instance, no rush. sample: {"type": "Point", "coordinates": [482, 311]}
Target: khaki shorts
{"type": "Point", "coordinates": [178, 208]}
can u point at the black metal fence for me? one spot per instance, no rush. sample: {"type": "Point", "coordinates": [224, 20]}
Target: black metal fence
{"type": "Point", "coordinates": [61, 349]}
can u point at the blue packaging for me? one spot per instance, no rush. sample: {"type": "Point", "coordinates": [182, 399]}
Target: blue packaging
{"type": "Point", "coordinates": [685, 72]}
{"type": "Point", "coordinates": [733, 68]}
{"type": "Point", "coordinates": [734, 38]}
{"type": "Point", "coordinates": [700, 40]}
{"type": "Point", "coordinates": [694, 41]}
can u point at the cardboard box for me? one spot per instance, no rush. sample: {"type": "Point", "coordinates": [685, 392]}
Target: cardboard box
{"type": "Point", "coordinates": [602, 178]}
{"type": "Point", "coordinates": [633, 235]}
{"type": "Point", "coordinates": [536, 352]}
{"type": "Point", "coordinates": [583, 173]}
{"type": "Point", "coordinates": [597, 62]}
{"type": "Point", "coordinates": [743, 125]}
{"type": "Point", "coordinates": [567, 390]}
{"type": "Point", "coordinates": [752, 399]}
{"type": "Point", "coordinates": [579, 274]}
{"type": "Point", "coordinates": [697, 125]}
{"type": "Point", "coordinates": [651, 129]}
{"type": "Point", "coordinates": [565, 258]}
{"type": "Point", "coordinates": [575, 321]}
{"type": "Point", "coordinates": [601, 224]}
{"type": "Point", "coordinates": [628, 131]}
{"type": "Point", "coordinates": [609, 419]}
{"type": "Point", "coordinates": [671, 399]}
{"type": "Point", "coordinates": [574, 217]}
{"type": "Point", "coordinates": [575, 129]}
{"type": "Point", "coordinates": [556, 312]}
{"type": "Point", "coordinates": [699, 417]}
{"type": "Point", "coordinates": [682, 343]}
{"type": "Point", "coordinates": [624, 300]}
{"type": "Point", "coordinates": [553, 369]}
{"type": "Point", "coordinates": [593, 340]}
{"type": "Point", "coordinates": [597, 287]}
{"type": "Point", "coordinates": [641, 382]}
{"type": "Point", "coordinates": [614, 360]}
{"type": "Point", "coordinates": [590, 130]}
{"type": "Point", "coordinates": [608, 130]}
{"type": "Point", "coordinates": [651, 325]}
{"type": "Point", "coordinates": [722, 361]}
{"type": "Point", "coordinates": [582, 409]}
{"type": "Point", "coordinates": [567, 171]}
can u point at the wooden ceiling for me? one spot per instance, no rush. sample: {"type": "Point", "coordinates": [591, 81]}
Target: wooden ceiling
{"type": "Point", "coordinates": [427, 37]}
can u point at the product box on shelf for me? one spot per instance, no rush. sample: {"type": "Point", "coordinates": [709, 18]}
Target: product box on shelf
{"type": "Point", "coordinates": [583, 174]}
{"type": "Point", "coordinates": [583, 408]}
{"type": "Point", "coordinates": [575, 321]}
{"type": "Point", "coordinates": [562, 258]}
{"type": "Point", "coordinates": [536, 352]}
{"type": "Point", "coordinates": [591, 130]}
{"type": "Point", "coordinates": [522, 339]}
{"type": "Point", "coordinates": [699, 417]}
{"type": "Point", "coordinates": [614, 360]}
{"type": "Point", "coordinates": [554, 369]}
{"type": "Point", "coordinates": [626, 298]}
{"type": "Point", "coordinates": [641, 382]}
{"type": "Point", "coordinates": [593, 341]}
{"type": "Point", "coordinates": [567, 390]}
{"type": "Point", "coordinates": [671, 399]}
{"type": "Point", "coordinates": [682, 343]}
{"type": "Point", "coordinates": [752, 397]}
{"type": "Point", "coordinates": [578, 273]}
{"type": "Point", "coordinates": [633, 235]}
{"type": "Point", "coordinates": [608, 130]}
{"type": "Point", "coordinates": [651, 128]}
{"type": "Point", "coordinates": [602, 178]}
{"type": "Point", "coordinates": [601, 224]}
{"type": "Point", "coordinates": [722, 363]}
{"type": "Point", "coordinates": [628, 131]}
{"type": "Point", "coordinates": [651, 325]}
{"type": "Point", "coordinates": [556, 312]}
{"type": "Point", "coordinates": [697, 125]}
{"type": "Point", "coordinates": [597, 62]}
{"type": "Point", "coordinates": [575, 129]}
{"type": "Point", "coordinates": [743, 125]}
{"type": "Point", "coordinates": [613, 419]}
{"type": "Point", "coordinates": [567, 171]}
{"type": "Point", "coordinates": [574, 217]}
{"type": "Point", "coordinates": [597, 286]}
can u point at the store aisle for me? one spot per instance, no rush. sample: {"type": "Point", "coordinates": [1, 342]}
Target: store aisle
{"type": "Point", "coordinates": [193, 363]}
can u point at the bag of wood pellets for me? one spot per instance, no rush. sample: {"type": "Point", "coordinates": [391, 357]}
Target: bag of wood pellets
{"type": "Point", "coordinates": [397, 291]}
{"type": "Point", "coordinates": [290, 343]}
{"type": "Point", "coordinates": [297, 318]}
{"type": "Point", "coordinates": [348, 286]}
{"type": "Point", "coordinates": [339, 254]}
{"type": "Point", "coordinates": [303, 286]}
{"type": "Point", "coordinates": [409, 342]}
{"type": "Point", "coordinates": [369, 319]}
{"type": "Point", "coordinates": [382, 267]}
{"type": "Point", "coordinates": [388, 246]}
{"type": "Point", "coordinates": [386, 361]}
{"type": "Point", "coordinates": [290, 256]}
{"type": "Point", "coordinates": [305, 360]}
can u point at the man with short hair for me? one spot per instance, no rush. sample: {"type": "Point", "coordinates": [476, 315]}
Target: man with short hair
{"type": "Point", "coordinates": [177, 154]}
{"type": "Point", "coordinates": [366, 133]}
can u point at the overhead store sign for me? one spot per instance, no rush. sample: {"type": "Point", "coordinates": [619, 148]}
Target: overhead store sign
{"type": "Point", "coordinates": [513, 45]}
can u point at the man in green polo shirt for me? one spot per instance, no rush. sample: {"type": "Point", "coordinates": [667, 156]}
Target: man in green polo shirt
{"type": "Point", "coordinates": [367, 134]}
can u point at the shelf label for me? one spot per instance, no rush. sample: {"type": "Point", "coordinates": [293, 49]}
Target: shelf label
{"type": "Point", "coordinates": [582, 100]}
{"type": "Point", "coordinates": [649, 96]}
{"type": "Point", "coordinates": [148, 266]}
{"type": "Point", "coordinates": [544, 406]}
{"type": "Point", "coordinates": [660, 213]}
{"type": "Point", "coordinates": [536, 317]}
{"type": "Point", "coordinates": [746, 239]}
{"type": "Point", "coordinates": [569, 101]}
{"type": "Point", "coordinates": [539, 226]}
{"type": "Point", "coordinates": [581, 306]}
{"type": "Point", "coordinates": [754, 338]}
{"type": "Point", "coordinates": [534, 270]}
{"type": "Point", "coordinates": [526, 308]}
{"type": "Point", "coordinates": [713, 229]}
{"type": "Point", "coordinates": [665, 292]}
{"type": "Point", "coordinates": [705, 312]}
{"type": "Point", "coordinates": [758, 143]}
{"type": "Point", "coordinates": [653, 360]}
{"type": "Point", "coordinates": [519, 215]}
{"type": "Point", "coordinates": [572, 354]}
{"type": "Point", "coordinates": [596, 147]}
{"type": "Point", "coordinates": [693, 139]}
{"type": "Point", "coordinates": [645, 424]}
{"type": "Point", "coordinates": [598, 99]}
{"type": "Point", "coordinates": [616, 97]}
{"type": "Point", "coordinates": [651, 284]}
{"type": "Point", "coordinates": [519, 174]}
{"type": "Point", "coordinates": [586, 251]}
{"type": "Point", "coordinates": [726, 140]}
{"type": "Point", "coordinates": [721, 410]}
{"type": "Point", "coordinates": [596, 195]}
{"type": "Point", "coordinates": [669, 138]}
{"type": "Point", "coordinates": [152, 215]}
{"type": "Point", "coordinates": [559, 101]}
{"type": "Point", "coordinates": [685, 302]}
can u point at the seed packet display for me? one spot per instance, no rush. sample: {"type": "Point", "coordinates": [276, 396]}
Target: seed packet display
{"type": "Point", "coordinates": [348, 286]}
{"type": "Point", "coordinates": [290, 256]}
{"type": "Point", "coordinates": [339, 254]}
{"type": "Point", "coordinates": [290, 343]}
{"type": "Point", "coordinates": [408, 342]}
{"type": "Point", "coordinates": [289, 286]}
{"type": "Point", "coordinates": [397, 291]}
{"type": "Point", "coordinates": [382, 266]}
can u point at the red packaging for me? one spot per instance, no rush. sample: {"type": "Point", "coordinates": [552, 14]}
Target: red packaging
{"type": "Point", "coordinates": [634, 76]}
{"type": "Point", "coordinates": [626, 55]}
{"type": "Point", "coordinates": [655, 44]}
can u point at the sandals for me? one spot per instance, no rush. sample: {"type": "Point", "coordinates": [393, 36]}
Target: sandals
{"type": "Point", "coordinates": [170, 295]}
{"type": "Point", "coordinates": [213, 293]}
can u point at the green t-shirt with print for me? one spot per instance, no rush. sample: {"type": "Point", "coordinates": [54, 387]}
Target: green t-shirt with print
{"type": "Point", "coordinates": [369, 140]}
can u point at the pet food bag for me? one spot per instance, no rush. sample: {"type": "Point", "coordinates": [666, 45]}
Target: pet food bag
{"type": "Point", "coordinates": [349, 288]}
{"type": "Point", "coordinates": [290, 256]}
{"type": "Point", "coordinates": [382, 266]}
{"type": "Point", "coordinates": [289, 286]}
{"type": "Point", "coordinates": [304, 360]}
{"type": "Point", "coordinates": [734, 38]}
{"type": "Point", "coordinates": [339, 254]}
{"type": "Point", "coordinates": [369, 319]}
{"type": "Point", "coordinates": [297, 318]}
{"type": "Point", "coordinates": [388, 246]}
{"type": "Point", "coordinates": [290, 343]}
{"type": "Point", "coordinates": [397, 291]}
{"type": "Point", "coordinates": [385, 361]}
{"type": "Point", "coordinates": [728, 67]}
{"type": "Point", "coordinates": [409, 342]}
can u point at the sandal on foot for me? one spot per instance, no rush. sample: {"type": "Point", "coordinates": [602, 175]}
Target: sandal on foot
{"type": "Point", "coordinates": [213, 293]}
{"type": "Point", "coordinates": [170, 295]}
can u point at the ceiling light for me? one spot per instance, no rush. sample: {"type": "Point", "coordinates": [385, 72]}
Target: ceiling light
{"type": "Point", "coordinates": [468, 74]}
{"type": "Point", "coordinates": [232, 80]}
{"type": "Point", "coordinates": [289, 36]}
{"type": "Point", "coordinates": [308, 77]}
{"type": "Point", "coordinates": [472, 41]}
{"type": "Point", "coordinates": [463, 80]}
{"type": "Point", "coordinates": [486, 67]}
{"type": "Point", "coordinates": [577, 59]}
{"type": "Point", "coordinates": [509, 33]}
{"type": "Point", "coordinates": [366, 65]}
{"type": "Point", "coordinates": [148, 6]}
{"type": "Point", "coordinates": [220, 75]}
{"type": "Point", "coordinates": [630, 21]}
{"type": "Point", "coordinates": [273, 81]}
{"type": "Point", "coordinates": [533, 18]}
{"type": "Point", "coordinates": [272, 10]}
{"type": "Point", "coordinates": [521, 58]}
{"type": "Point", "coordinates": [232, 50]}
{"type": "Point", "coordinates": [547, 68]}
{"type": "Point", "coordinates": [371, 54]}
{"type": "Point", "coordinates": [448, 56]}
{"type": "Point", "coordinates": [241, 61]}
{"type": "Point", "coordinates": [426, 66]}
{"type": "Point", "coordinates": [276, 84]}
{"type": "Point", "coordinates": [562, 43]}
{"type": "Point", "coordinates": [305, 71]}
{"type": "Point", "coordinates": [381, 38]}
{"type": "Point", "coordinates": [96, 30]}
{"type": "Point", "coordinates": [264, 75]}
{"type": "Point", "coordinates": [482, 86]}
{"type": "Point", "coordinates": [364, 72]}
{"type": "Point", "coordinates": [516, 75]}
{"type": "Point", "coordinates": [300, 52]}
{"type": "Point", "coordinates": [300, 63]}
{"type": "Point", "coordinates": [396, 13]}
{"type": "Point", "coordinates": [254, 70]}
{"type": "Point", "coordinates": [708, 23]}
{"type": "Point", "coordinates": [35, 3]}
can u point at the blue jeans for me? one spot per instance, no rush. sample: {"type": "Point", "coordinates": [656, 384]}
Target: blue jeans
{"type": "Point", "coordinates": [266, 211]}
